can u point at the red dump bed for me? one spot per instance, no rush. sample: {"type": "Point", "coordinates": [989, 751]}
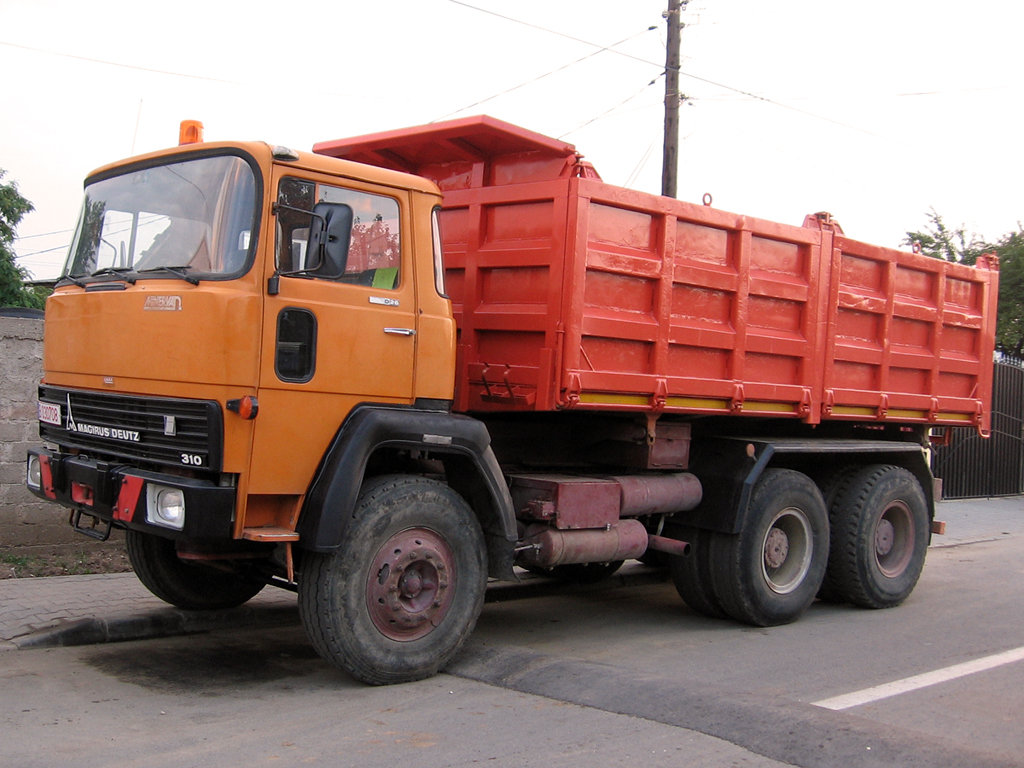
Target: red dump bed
{"type": "Point", "coordinates": [573, 293]}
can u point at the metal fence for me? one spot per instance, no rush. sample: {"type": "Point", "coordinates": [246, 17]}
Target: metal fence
{"type": "Point", "coordinates": [974, 467]}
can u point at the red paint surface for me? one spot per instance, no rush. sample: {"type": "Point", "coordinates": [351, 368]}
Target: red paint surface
{"type": "Point", "coordinates": [573, 293]}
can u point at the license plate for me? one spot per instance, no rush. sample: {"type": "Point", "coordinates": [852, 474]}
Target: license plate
{"type": "Point", "coordinates": [49, 413]}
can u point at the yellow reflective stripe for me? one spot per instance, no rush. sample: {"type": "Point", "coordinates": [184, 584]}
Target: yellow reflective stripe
{"type": "Point", "coordinates": [850, 410]}
{"type": "Point", "coordinates": [693, 403]}
{"type": "Point", "coordinates": [602, 398]}
{"type": "Point", "coordinates": [703, 403]}
{"type": "Point", "coordinates": [718, 404]}
{"type": "Point", "coordinates": [753, 405]}
{"type": "Point", "coordinates": [899, 413]}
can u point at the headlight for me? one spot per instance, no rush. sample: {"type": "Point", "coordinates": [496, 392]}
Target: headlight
{"type": "Point", "coordinates": [34, 473]}
{"type": "Point", "coordinates": [165, 506]}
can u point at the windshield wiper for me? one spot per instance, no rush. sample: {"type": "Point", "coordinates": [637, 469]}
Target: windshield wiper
{"type": "Point", "coordinates": [176, 271]}
{"type": "Point", "coordinates": [121, 272]}
{"type": "Point", "coordinates": [72, 279]}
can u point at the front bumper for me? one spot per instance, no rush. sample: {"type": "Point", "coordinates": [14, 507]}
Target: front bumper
{"type": "Point", "coordinates": [126, 497]}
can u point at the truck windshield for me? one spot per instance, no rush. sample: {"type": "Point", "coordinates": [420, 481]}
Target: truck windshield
{"type": "Point", "coordinates": [194, 217]}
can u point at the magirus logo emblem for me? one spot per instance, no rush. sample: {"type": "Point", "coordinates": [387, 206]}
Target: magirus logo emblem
{"type": "Point", "coordinates": [99, 430]}
{"type": "Point", "coordinates": [162, 304]}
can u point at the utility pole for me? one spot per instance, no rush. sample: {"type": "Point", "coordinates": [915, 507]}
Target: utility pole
{"type": "Point", "coordinates": [670, 155]}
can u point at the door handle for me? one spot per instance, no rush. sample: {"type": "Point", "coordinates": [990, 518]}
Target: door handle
{"type": "Point", "coordinates": [400, 331]}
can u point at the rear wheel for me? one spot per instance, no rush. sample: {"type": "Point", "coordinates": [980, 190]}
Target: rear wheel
{"type": "Point", "coordinates": [184, 584]}
{"type": "Point", "coordinates": [770, 571]}
{"type": "Point", "coordinates": [832, 484]}
{"type": "Point", "coordinates": [879, 537]}
{"type": "Point", "coordinates": [397, 599]}
{"type": "Point", "coordinates": [691, 573]}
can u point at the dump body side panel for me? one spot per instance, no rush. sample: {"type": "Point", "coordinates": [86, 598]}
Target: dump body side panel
{"type": "Point", "coordinates": [682, 308]}
{"type": "Point", "coordinates": [570, 293]}
{"type": "Point", "coordinates": [911, 337]}
{"type": "Point", "coordinates": [505, 261]}
{"type": "Point", "coordinates": [659, 305]}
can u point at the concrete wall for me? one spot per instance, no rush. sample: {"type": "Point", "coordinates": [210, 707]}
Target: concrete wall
{"type": "Point", "coordinates": [24, 519]}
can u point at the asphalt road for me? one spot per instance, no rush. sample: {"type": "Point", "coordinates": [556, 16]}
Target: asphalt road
{"type": "Point", "coordinates": [624, 675]}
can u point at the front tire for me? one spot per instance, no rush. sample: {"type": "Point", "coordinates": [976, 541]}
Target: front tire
{"type": "Point", "coordinates": [395, 602]}
{"type": "Point", "coordinates": [183, 584]}
{"type": "Point", "coordinates": [769, 573]}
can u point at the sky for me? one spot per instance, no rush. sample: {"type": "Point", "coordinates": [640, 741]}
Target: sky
{"type": "Point", "coordinates": [877, 112]}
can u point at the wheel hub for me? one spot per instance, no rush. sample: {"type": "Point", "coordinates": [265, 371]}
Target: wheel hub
{"type": "Point", "coordinates": [787, 551]}
{"type": "Point", "coordinates": [885, 536]}
{"type": "Point", "coordinates": [409, 586]}
{"type": "Point", "coordinates": [894, 539]}
{"type": "Point", "coordinates": [776, 548]}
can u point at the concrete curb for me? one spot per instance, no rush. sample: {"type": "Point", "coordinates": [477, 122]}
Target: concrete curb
{"type": "Point", "coordinates": [164, 621]}
{"type": "Point", "coordinates": [782, 729]}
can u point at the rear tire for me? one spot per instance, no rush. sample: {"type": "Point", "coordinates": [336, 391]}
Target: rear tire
{"type": "Point", "coordinates": [691, 573]}
{"type": "Point", "coordinates": [395, 602]}
{"type": "Point", "coordinates": [879, 537]}
{"type": "Point", "coordinates": [184, 584]}
{"type": "Point", "coordinates": [832, 484]}
{"type": "Point", "coordinates": [769, 573]}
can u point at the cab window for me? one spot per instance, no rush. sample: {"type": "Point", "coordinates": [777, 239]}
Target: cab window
{"type": "Point", "coordinates": [373, 254]}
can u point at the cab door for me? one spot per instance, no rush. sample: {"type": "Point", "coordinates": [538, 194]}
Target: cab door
{"type": "Point", "coordinates": [339, 327]}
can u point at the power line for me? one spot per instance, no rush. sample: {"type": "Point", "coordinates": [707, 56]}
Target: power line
{"type": "Point", "coordinates": [44, 234]}
{"type": "Point", "coordinates": [45, 250]}
{"type": "Point", "coordinates": [642, 60]}
{"type": "Point", "coordinates": [136, 67]}
{"type": "Point", "coordinates": [610, 109]}
{"type": "Point", "coordinates": [640, 165]}
{"type": "Point", "coordinates": [551, 31]}
{"type": "Point", "coordinates": [149, 219]}
{"type": "Point", "coordinates": [547, 74]}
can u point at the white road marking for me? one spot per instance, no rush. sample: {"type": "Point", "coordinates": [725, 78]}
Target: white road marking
{"type": "Point", "coordinates": [907, 684]}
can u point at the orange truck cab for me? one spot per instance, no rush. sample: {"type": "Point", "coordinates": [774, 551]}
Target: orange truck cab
{"type": "Point", "coordinates": [380, 373]}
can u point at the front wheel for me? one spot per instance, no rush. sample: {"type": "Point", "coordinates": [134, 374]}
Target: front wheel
{"type": "Point", "coordinates": [184, 584]}
{"type": "Point", "coordinates": [769, 573]}
{"type": "Point", "coordinates": [395, 602]}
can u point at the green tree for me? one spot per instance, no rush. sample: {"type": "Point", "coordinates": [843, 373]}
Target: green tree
{"type": "Point", "coordinates": [941, 242]}
{"type": "Point", "coordinates": [1010, 320]}
{"type": "Point", "coordinates": [13, 291]}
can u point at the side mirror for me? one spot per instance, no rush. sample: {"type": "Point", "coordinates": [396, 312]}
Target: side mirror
{"type": "Point", "coordinates": [329, 233]}
{"type": "Point", "coordinates": [325, 249]}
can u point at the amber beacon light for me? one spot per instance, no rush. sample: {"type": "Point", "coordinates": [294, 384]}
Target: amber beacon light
{"type": "Point", "coordinates": [190, 132]}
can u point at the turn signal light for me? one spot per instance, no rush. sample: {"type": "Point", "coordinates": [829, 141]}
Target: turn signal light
{"type": "Point", "coordinates": [247, 407]}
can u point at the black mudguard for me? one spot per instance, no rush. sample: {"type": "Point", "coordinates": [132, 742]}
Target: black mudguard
{"type": "Point", "coordinates": [335, 488]}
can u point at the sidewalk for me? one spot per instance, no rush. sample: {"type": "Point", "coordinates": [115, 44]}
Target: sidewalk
{"type": "Point", "coordinates": [77, 610]}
